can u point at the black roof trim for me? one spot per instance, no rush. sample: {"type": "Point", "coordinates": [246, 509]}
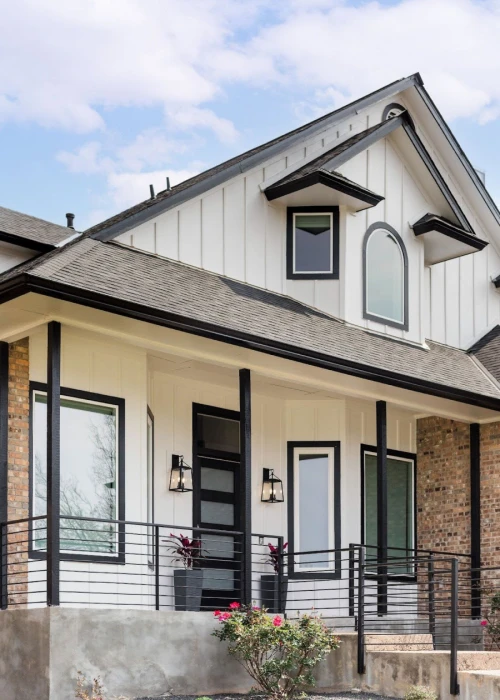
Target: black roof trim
{"type": "Point", "coordinates": [321, 177]}
{"type": "Point", "coordinates": [24, 283]}
{"type": "Point", "coordinates": [433, 222]}
{"type": "Point", "coordinates": [496, 282]}
{"type": "Point", "coordinates": [215, 176]}
{"type": "Point", "coordinates": [431, 106]}
{"type": "Point", "coordinates": [28, 243]}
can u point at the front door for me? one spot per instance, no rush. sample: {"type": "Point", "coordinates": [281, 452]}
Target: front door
{"type": "Point", "coordinates": [216, 487]}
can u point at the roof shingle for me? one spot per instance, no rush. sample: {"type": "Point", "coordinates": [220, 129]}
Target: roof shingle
{"type": "Point", "coordinates": [32, 229]}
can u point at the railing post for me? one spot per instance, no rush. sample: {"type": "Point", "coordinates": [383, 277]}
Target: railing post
{"type": "Point", "coordinates": [281, 561]}
{"type": "Point", "coordinates": [454, 687]}
{"type": "Point", "coordinates": [157, 566]}
{"type": "Point", "coordinates": [361, 610]}
{"type": "Point", "coordinates": [351, 580]}
{"type": "Point", "coordinates": [53, 461]}
{"type": "Point", "coordinates": [431, 584]}
{"type": "Point", "coordinates": [4, 566]}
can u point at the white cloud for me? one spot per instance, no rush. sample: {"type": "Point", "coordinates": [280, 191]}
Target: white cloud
{"type": "Point", "coordinates": [190, 117]}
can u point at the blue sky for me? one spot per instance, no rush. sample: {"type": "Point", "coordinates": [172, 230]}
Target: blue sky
{"type": "Point", "coordinates": [98, 98]}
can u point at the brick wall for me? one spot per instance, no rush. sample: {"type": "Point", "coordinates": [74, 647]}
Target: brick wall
{"type": "Point", "coordinates": [490, 494]}
{"type": "Point", "coordinates": [443, 485]}
{"type": "Point", "coordinates": [18, 474]}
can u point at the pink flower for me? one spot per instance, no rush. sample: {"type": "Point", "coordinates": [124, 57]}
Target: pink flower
{"type": "Point", "coordinates": [484, 623]}
{"type": "Point", "coordinates": [234, 606]}
{"type": "Point", "coordinates": [217, 613]}
{"type": "Point", "coordinates": [255, 608]}
{"type": "Point", "coordinates": [277, 621]}
{"type": "Point", "coordinates": [224, 616]}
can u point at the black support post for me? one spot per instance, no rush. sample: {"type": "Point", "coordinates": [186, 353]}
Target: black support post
{"type": "Point", "coordinates": [4, 466]}
{"type": "Point", "coordinates": [382, 507]}
{"type": "Point", "coordinates": [53, 460]}
{"type": "Point", "coordinates": [475, 519]}
{"type": "Point", "coordinates": [454, 686]}
{"type": "Point", "coordinates": [246, 482]}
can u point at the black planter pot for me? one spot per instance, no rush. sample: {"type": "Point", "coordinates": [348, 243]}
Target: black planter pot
{"type": "Point", "coordinates": [188, 585]}
{"type": "Point", "coordinates": [270, 594]}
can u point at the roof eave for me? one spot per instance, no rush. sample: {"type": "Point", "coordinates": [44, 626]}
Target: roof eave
{"type": "Point", "coordinates": [319, 177]}
{"type": "Point", "coordinates": [28, 243]}
{"type": "Point", "coordinates": [26, 283]}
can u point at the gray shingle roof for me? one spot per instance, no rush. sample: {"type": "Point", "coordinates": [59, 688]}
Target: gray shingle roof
{"type": "Point", "coordinates": [29, 228]}
{"type": "Point", "coordinates": [158, 287]}
{"type": "Point", "coordinates": [487, 351]}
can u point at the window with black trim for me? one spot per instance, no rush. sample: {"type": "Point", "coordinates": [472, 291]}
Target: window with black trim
{"type": "Point", "coordinates": [401, 516]}
{"type": "Point", "coordinates": [314, 508]}
{"type": "Point", "coordinates": [91, 466]}
{"type": "Point", "coordinates": [385, 276]}
{"type": "Point", "coordinates": [312, 243]}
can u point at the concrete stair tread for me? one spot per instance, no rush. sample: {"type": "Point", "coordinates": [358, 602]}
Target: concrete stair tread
{"type": "Point", "coordinates": [398, 642]}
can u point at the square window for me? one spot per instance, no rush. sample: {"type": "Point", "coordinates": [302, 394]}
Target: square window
{"type": "Point", "coordinates": [312, 243]}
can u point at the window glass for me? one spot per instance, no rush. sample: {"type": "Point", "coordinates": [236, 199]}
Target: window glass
{"type": "Point", "coordinates": [89, 485]}
{"type": "Point", "coordinates": [220, 434]}
{"type": "Point", "coordinates": [314, 506]}
{"type": "Point", "coordinates": [384, 277]}
{"type": "Point", "coordinates": [312, 240]}
{"type": "Point", "coordinates": [400, 508]}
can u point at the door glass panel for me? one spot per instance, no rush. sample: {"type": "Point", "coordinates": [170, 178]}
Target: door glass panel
{"type": "Point", "coordinates": [218, 546]}
{"type": "Point", "coordinates": [221, 434]}
{"type": "Point", "coordinates": [217, 480]}
{"type": "Point", "coordinates": [313, 509]}
{"type": "Point", "coordinates": [217, 513]}
{"type": "Point", "coordinates": [218, 580]}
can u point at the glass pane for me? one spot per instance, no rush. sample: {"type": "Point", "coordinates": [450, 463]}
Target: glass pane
{"type": "Point", "coordinates": [217, 513]}
{"type": "Point", "coordinates": [400, 513]}
{"type": "Point", "coordinates": [217, 479]}
{"type": "Point", "coordinates": [384, 277]}
{"type": "Point", "coordinates": [220, 434]}
{"type": "Point", "coordinates": [88, 472]}
{"type": "Point", "coordinates": [313, 509]}
{"type": "Point", "coordinates": [218, 546]}
{"type": "Point", "coordinates": [218, 580]}
{"type": "Point", "coordinates": [312, 243]}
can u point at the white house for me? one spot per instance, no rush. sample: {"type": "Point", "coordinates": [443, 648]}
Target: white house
{"type": "Point", "coordinates": [321, 310]}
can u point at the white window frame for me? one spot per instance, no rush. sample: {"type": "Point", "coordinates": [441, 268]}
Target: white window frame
{"type": "Point", "coordinates": [330, 451]}
{"type": "Point", "coordinates": [80, 552]}
{"type": "Point", "coordinates": [330, 254]}
{"type": "Point", "coordinates": [403, 267]}
{"type": "Point", "coordinates": [412, 461]}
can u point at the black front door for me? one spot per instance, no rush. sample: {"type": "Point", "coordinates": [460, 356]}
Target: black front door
{"type": "Point", "coordinates": [216, 474]}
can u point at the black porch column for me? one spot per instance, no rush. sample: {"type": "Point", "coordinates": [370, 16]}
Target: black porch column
{"type": "Point", "coordinates": [4, 467]}
{"type": "Point", "coordinates": [475, 518]}
{"type": "Point", "coordinates": [246, 483]}
{"type": "Point", "coordinates": [382, 507]}
{"type": "Point", "coordinates": [53, 460]}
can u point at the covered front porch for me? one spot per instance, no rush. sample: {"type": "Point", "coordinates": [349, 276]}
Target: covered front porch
{"type": "Point", "coordinates": [115, 407]}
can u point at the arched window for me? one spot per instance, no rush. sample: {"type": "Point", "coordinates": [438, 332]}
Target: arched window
{"type": "Point", "coordinates": [385, 264]}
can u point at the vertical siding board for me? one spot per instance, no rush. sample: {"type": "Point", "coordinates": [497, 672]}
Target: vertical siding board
{"type": "Point", "coordinates": [466, 299]}
{"type": "Point", "coordinates": [190, 233]}
{"type": "Point", "coordinates": [452, 310]}
{"type": "Point", "coordinates": [212, 232]}
{"type": "Point", "coordinates": [234, 229]}
{"type": "Point", "coordinates": [167, 235]}
{"type": "Point", "coordinates": [437, 296]}
{"type": "Point", "coordinates": [275, 248]}
{"type": "Point", "coordinates": [255, 239]}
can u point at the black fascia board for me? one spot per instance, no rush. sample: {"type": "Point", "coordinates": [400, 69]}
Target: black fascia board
{"type": "Point", "coordinates": [253, 160]}
{"type": "Point", "coordinates": [26, 283]}
{"type": "Point", "coordinates": [28, 243]}
{"type": "Point", "coordinates": [434, 171]}
{"type": "Point", "coordinates": [459, 152]}
{"type": "Point", "coordinates": [496, 282]}
{"type": "Point", "coordinates": [331, 180]}
{"type": "Point", "coordinates": [425, 225]}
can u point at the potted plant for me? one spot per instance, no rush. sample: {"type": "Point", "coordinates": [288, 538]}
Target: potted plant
{"type": "Point", "coordinates": [188, 581]}
{"type": "Point", "coordinates": [270, 583]}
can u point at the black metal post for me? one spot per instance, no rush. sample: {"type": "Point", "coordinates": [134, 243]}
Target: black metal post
{"type": "Point", "coordinates": [351, 580]}
{"type": "Point", "coordinates": [281, 563]}
{"type": "Point", "coordinates": [246, 482]}
{"type": "Point", "coordinates": [382, 577]}
{"type": "Point", "coordinates": [4, 468]}
{"type": "Point", "coordinates": [454, 687]}
{"type": "Point", "coordinates": [157, 567]}
{"type": "Point", "coordinates": [53, 460]}
{"type": "Point", "coordinates": [475, 519]}
{"type": "Point", "coordinates": [431, 584]}
{"type": "Point", "coordinates": [361, 610]}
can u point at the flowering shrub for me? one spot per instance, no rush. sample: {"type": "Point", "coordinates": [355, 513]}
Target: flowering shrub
{"type": "Point", "coordinates": [273, 556]}
{"type": "Point", "coordinates": [278, 654]}
{"type": "Point", "coordinates": [184, 550]}
{"type": "Point", "coordinates": [491, 621]}
{"type": "Point", "coordinates": [419, 692]}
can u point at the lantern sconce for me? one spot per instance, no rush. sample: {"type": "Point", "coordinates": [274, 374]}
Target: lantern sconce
{"type": "Point", "coordinates": [181, 476]}
{"type": "Point", "coordinates": [272, 488]}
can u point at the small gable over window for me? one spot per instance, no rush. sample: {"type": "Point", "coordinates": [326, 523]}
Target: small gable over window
{"type": "Point", "coordinates": [312, 243]}
{"type": "Point", "coordinates": [385, 276]}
